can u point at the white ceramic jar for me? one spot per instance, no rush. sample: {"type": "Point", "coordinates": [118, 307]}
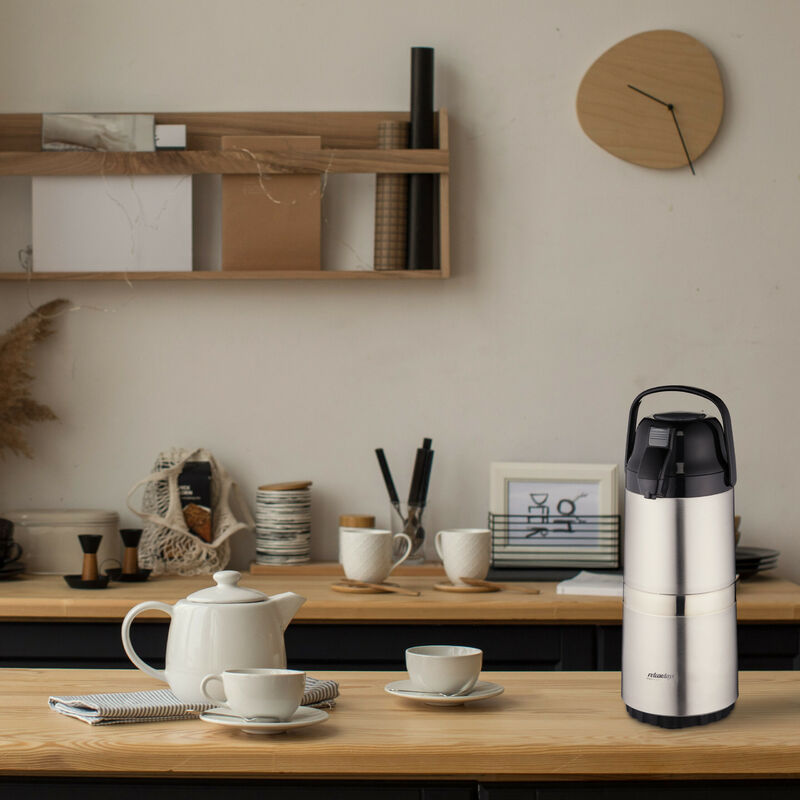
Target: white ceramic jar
{"type": "Point", "coordinates": [49, 537]}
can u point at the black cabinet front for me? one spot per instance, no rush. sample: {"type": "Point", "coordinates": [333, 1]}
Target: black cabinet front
{"type": "Point", "coordinates": [377, 646]}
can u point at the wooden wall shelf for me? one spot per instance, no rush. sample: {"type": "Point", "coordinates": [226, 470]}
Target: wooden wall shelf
{"type": "Point", "coordinates": [231, 275]}
{"type": "Point", "coordinates": [349, 145]}
{"type": "Point", "coordinates": [209, 162]}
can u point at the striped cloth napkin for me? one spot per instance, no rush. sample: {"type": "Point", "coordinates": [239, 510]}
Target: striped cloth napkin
{"type": "Point", "coordinates": [160, 705]}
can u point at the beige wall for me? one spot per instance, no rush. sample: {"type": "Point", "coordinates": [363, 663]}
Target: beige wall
{"type": "Point", "coordinates": [579, 279]}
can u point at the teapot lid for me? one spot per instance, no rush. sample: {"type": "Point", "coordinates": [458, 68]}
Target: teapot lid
{"type": "Point", "coordinates": [227, 590]}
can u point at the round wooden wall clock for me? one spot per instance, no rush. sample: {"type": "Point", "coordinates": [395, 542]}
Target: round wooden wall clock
{"type": "Point", "coordinates": [654, 99]}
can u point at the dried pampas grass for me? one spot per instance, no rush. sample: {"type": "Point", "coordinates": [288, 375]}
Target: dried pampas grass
{"type": "Point", "coordinates": [17, 408]}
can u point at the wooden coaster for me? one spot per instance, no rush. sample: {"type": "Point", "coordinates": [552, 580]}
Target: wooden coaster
{"type": "Point", "coordinates": [348, 589]}
{"type": "Point", "coordinates": [451, 587]}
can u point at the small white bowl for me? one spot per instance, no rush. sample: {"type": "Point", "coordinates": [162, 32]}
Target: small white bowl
{"type": "Point", "coordinates": [443, 668]}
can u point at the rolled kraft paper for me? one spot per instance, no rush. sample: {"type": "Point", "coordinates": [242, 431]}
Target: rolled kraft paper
{"type": "Point", "coordinates": [391, 202]}
{"type": "Point", "coordinates": [423, 250]}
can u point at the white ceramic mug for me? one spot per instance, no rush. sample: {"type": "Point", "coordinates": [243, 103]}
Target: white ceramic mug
{"type": "Point", "coordinates": [274, 693]}
{"type": "Point", "coordinates": [366, 553]}
{"type": "Point", "coordinates": [444, 668]}
{"type": "Point", "coordinates": [465, 553]}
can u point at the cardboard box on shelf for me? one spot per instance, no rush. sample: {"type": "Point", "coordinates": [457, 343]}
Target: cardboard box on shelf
{"type": "Point", "coordinates": [271, 222]}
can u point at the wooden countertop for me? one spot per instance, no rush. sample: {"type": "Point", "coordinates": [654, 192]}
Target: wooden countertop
{"type": "Point", "coordinates": [47, 597]}
{"type": "Point", "coordinates": [547, 726]}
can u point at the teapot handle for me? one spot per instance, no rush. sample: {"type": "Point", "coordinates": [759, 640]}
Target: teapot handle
{"type": "Point", "coordinates": [160, 674]}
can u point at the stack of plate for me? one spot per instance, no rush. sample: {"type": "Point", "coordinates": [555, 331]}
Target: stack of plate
{"type": "Point", "coordinates": [283, 524]}
{"type": "Point", "coordinates": [751, 560]}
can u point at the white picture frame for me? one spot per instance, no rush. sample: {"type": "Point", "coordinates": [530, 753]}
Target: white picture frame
{"type": "Point", "coordinates": [554, 514]}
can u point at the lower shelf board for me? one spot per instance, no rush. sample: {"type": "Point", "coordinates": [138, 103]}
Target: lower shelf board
{"type": "Point", "coordinates": [231, 275]}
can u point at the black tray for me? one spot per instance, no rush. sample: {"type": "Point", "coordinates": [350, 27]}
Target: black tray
{"type": "Point", "coordinates": [11, 570]}
{"type": "Point", "coordinates": [76, 582]}
{"type": "Point", "coordinates": [117, 574]}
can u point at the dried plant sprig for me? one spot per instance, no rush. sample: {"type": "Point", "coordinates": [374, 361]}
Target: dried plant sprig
{"type": "Point", "coordinates": [18, 409]}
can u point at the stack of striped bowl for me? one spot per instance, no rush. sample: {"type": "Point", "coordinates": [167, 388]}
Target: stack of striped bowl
{"type": "Point", "coordinates": [283, 523]}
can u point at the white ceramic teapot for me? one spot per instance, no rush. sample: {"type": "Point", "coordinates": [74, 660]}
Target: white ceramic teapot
{"type": "Point", "coordinates": [223, 627]}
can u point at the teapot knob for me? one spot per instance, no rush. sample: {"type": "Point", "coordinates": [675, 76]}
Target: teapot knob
{"type": "Point", "coordinates": [227, 577]}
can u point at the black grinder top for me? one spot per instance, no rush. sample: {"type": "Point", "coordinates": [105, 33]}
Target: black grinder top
{"type": "Point", "coordinates": [679, 453]}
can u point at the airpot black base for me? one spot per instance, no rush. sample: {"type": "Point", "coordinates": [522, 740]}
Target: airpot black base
{"type": "Point", "coordinates": [663, 721]}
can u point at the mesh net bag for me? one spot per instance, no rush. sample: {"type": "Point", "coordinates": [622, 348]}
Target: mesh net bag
{"type": "Point", "coordinates": [167, 545]}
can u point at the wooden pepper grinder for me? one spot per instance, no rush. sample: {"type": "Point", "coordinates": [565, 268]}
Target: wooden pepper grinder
{"type": "Point", "coordinates": [130, 558]}
{"type": "Point", "coordinates": [89, 544]}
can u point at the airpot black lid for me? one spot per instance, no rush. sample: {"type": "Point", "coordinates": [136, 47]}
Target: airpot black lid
{"type": "Point", "coordinates": [678, 416]}
{"type": "Point", "coordinates": [679, 453]}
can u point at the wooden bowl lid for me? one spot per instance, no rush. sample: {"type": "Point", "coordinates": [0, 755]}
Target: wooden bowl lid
{"type": "Point", "coordinates": [357, 521]}
{"type": "Point", "coordinates": [284, 487]}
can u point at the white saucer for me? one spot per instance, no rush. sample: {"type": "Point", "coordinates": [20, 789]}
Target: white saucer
{"type": "Point", "coordinates": [304, 716]}
{"type": "Point", "coordinates": [482, 690]}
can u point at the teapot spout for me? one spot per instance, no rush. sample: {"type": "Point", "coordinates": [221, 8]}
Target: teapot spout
{"type": "Point", "coordinates": [288, 605]}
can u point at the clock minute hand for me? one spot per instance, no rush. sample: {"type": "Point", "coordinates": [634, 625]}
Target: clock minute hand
{"type": "Point", "coordinates": [646, 94]}
{"type": "Point", "coordinates": [685, 150]}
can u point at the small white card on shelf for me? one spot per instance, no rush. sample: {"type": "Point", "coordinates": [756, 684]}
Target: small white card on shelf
{"type": "Point", "coordinates": [170, 137]}
{"type": "Point", "coordinates": [137, 223]}
{"type": "Point", "coordinates": [594, 583]}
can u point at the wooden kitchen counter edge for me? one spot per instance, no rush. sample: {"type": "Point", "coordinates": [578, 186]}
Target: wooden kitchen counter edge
{"type": "Point", "coordinates": [546, 726]}
{"type": "Point", "coordinates": [48, 598]}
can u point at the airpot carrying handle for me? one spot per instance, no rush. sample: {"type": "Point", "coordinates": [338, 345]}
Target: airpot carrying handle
{"type": "Point", "coordinates": [730, 472]}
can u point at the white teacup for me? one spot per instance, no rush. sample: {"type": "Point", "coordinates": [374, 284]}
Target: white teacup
{"type": "Point", "coordinates": [465, 553]}
{"type": "Point", "coordinates": [274, 693]}
{"type": "Point", "coordinates": [445, 668]}
{"type": "Point", "coordinates": [366, 553]}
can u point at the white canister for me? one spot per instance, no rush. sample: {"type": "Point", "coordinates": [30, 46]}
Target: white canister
{"type": "Point", "coordinates": [49, 538]}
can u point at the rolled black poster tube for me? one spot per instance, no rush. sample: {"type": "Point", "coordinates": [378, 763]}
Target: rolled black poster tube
{"type": "Point", "coordinates": [423, 251]}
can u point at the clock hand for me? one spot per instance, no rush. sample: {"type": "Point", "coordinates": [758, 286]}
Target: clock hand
{"type": "Point", "coordinates": [649, 95]}
{"type": "Point", "coordinates": [671, 108]}
{"type": "Point", "coordinates": [675, 120]}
